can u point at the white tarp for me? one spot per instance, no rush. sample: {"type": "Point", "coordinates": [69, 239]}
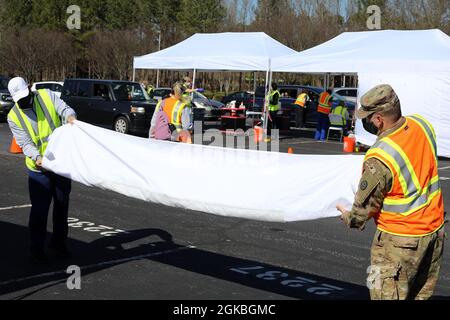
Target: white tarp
{"type": "Point", "coordinates": [256, 185]}
{"type": "Point", "coordinates": [231, 51]}
{"type": "Point", "coordinates": [415, 63]}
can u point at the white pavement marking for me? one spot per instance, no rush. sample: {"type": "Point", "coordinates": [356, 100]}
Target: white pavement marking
{"type": "Point", "coordinates": [444, 178]}
{"type": "Point", "coordinates": [16, 207]}
{"type": "Point", "coordinates": [93, 266]}
{"type": "Point", "coordinates": [444, 168]}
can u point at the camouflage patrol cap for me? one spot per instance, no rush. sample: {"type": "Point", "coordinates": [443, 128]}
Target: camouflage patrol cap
{"type": "Point", "coordinates": [381, 98]}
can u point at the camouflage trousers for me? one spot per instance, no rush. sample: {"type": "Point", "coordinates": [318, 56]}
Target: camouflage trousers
{"type": "Point", "coordinates": [405, 268]}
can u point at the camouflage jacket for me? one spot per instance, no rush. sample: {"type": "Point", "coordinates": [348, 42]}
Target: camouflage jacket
{"type": "Point", "coordinates": [375, 183]}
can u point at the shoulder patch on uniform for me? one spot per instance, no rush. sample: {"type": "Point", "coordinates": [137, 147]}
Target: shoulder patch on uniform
{"type": "Point", "coordinates": [368, 184]}
{"type": "Point", "coordinates": [363, 185]}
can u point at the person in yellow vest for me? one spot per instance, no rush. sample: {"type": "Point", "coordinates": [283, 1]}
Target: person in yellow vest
{"type": "Point", "coordinates": [178, 113]}
{"type": "Point", "coordinates": [400, 190]}
{"type": "Point", "coordinates": [300, 110]}
{"type": "Point", "coordinates": [323, 110]}
{"type": "Point", "coordinates": [341, 109]}
{"type": "Point", "coordinates": [149, 89]}
{"type": "Point", "coordinates": [32, 120]}
{"type": "Point", "coordinates": [187, 85]}
{"type": "Point", "coordinates": [274, 107]}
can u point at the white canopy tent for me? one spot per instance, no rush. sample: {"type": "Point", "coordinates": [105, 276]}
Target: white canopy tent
{"type": "Point", "coordinates": [231, 51]}
{"type": "Point", "coordinates": [415, 63]}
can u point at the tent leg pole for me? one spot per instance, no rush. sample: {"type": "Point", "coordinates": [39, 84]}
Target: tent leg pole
{"type": "Point", "coordinates": [193, 79]}
{"type": "Point", "coordinates": [134, 74]}
{"type": "Point", "coordinates": [254, 87]}
{"type": "Point", "coordinates": [265, 105]}
{"type": "Point", "coordinates": [157, 78]}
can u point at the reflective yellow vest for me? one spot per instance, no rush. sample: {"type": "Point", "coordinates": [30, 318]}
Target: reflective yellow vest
{"type": "Point", "coordinates": [343, 112]}
{"type": "Point", "coordinates": [301, 100]}
{"type": "Point", "coordinates": [274, 107]}
{"type": "Point", "coordinates": [47, 119]}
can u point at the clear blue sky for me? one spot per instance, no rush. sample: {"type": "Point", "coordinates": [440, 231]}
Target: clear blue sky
{"type": "Point", "coordinates": [344, 5]}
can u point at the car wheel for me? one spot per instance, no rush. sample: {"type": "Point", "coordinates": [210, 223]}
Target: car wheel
{"type": "Point", "coordinates": [122, 125]}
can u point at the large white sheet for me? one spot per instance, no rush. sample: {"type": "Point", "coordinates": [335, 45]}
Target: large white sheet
{"type": "Point", "coordinates": [256, 185]}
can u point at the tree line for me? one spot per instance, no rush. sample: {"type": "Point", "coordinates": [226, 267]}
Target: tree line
{"type": "Point", "coordinates": [36, 42]}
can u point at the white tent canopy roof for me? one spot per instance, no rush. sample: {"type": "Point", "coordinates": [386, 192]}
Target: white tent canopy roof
{"type": "Point", "coordinates": [388, 50]}
{"type": "Point", "coordinates": [231, 51]}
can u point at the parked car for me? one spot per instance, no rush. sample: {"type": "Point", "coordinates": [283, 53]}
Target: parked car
{"type": "Point", "coordinates": [54, 86]}
{"type": "Point", "coordinates": [350, 94]}
{"type": "Point", "coordinates": [119, 105]}
{"type": "Point", "coordinates": [6, 101]}
{"type": "Point", "coordinates": [247, 98]}
{"type": "Point", "coordinates": [203, 108]}
{"type": "Point", "coordinates": [161, 93]}
{"type": "Point", "coordinates": [289, 94]}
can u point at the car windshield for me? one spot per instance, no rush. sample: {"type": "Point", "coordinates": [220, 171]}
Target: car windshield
{"type": "Point", "coordinates": [128, 91]}
{"type": "Point", "coordinates": [3, 84]}
{"type": "Point", "coordinates": [198, 95]}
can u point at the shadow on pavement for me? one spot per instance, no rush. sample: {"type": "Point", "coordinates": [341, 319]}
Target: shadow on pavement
{"type": "Point", "coordinates": [17, 274]}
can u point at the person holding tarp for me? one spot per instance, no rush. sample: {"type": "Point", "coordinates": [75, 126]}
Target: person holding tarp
{"type": "Point", "coordinates": [172, 117]}
{"type": "Point", "coordinates": [32, 120]}
{"type": "Point", "coordinates": [400, 190]}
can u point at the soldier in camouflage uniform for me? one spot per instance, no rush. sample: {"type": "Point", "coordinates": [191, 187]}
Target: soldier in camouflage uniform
{"type": "Point", "coordinates": [402, 267]}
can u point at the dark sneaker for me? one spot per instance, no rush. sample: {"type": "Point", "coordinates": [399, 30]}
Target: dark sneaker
{"type": "Point", "coordinates": [39, 257]}
{"type": "Point", "coordinates": [60, 250]}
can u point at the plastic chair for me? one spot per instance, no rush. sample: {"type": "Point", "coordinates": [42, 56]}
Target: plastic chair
{"type": "Point", "coordinates": [336, 118]}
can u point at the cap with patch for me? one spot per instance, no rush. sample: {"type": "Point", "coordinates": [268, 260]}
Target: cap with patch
{"type": "Point", "coordinates": [378, 99]}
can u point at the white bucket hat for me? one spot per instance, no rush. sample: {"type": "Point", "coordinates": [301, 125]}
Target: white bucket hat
{"type": "Point", "coordinates": [18, 88]}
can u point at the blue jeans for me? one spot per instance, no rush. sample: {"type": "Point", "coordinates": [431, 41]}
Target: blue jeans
{"type": "Point", "coordinates": [43, 187]}
{"type": "Point", "coordinates": [323, 121]}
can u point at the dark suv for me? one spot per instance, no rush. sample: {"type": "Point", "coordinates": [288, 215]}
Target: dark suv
{"type": "Point", "coordinates": [119, 105]}
{"type": "Point", "coordinates": [6, 101]}
{"type": "Point", "coordinates": [289, 94]}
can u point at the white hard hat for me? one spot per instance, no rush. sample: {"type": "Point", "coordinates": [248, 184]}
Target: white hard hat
{"type": "Point", "coordinates": [18, 88]}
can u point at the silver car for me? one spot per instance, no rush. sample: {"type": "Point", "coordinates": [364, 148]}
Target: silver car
{"type": "Point", "coordinates": [6, 101]}
{"type": "Point", "coordinates": [211, 108]}
{"type": "Point", "coordinates": [350, 94]}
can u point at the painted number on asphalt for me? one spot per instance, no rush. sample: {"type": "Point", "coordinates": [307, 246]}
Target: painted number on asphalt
{"type": "Point", "coordinates": [310, 285]}
{"type": "Point", "coordinates": [92, 227]}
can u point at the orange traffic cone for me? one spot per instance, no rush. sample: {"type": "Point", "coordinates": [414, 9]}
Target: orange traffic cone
{"type": "Point", "coordinates": [14, 148]}
{"type": "Point", "coordinates": [290, 150]}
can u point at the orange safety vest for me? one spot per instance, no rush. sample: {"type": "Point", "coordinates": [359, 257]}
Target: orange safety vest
{"type": "Point", "coordinates": [414, 205]}
{"type": "Point", "coordinates": [324, 103]}
{"type": "Point", "coordinates": [301, 100]}
{"type": "Point", "coordinates": [173, 108]}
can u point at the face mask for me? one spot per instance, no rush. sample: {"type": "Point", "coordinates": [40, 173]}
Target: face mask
{"type": "Point", "coordinates": [25, 103]}
{"type": "Point", "coordinates": [369, 126]}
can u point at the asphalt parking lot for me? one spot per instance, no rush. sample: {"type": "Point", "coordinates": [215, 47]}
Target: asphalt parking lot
{"type": "Point", "coordinates": [130, 249]}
